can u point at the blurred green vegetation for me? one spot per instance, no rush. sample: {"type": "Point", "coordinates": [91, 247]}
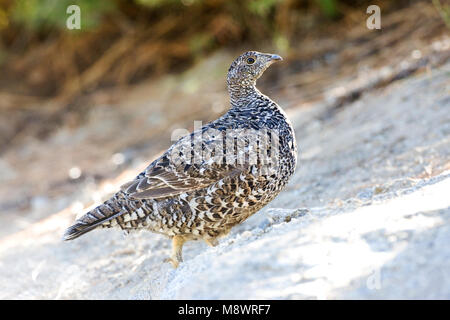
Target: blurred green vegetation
{"type": "Point", "coordinates": [329, 7]}
{"type": "Point", "coordinates": [261, 7]}
{"type": "Point", "coordinates": [444, 11]}
{"type": "Point", "coordinates": [204, 24]}
{"type": "Point", "coordinates": [44, 14]}
{"type": "Point", "coordinates": [124, 41]}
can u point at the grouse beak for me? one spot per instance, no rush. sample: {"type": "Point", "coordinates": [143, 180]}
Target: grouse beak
{"type": "Point", "coordinates": [275, 57]}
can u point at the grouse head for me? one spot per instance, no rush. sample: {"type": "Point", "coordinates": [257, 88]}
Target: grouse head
{"type": "Point", "coordinates": [248, 67]}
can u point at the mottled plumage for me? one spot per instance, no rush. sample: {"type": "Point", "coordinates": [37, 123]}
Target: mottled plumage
{"type": "Point", "coordinates": [214, 178]}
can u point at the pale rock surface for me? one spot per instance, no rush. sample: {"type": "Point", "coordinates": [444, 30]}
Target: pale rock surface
{"type": "Point", "coordinates": [366, 216]}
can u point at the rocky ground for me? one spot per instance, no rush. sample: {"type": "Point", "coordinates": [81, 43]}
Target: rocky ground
{"type": "Point", "coordinates": [367, 214]}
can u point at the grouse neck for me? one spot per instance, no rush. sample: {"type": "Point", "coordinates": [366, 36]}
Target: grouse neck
{"type": "Point", "coordinates": [243, 95]}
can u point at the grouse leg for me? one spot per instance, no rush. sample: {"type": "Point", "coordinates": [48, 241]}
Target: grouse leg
{"type": "Point", "coordinates": [177, 248]}
{"type": "Point", "coordinates": [212, 241]}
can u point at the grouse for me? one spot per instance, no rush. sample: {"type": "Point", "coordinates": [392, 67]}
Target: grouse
{"type": "Point", "coordinates": [214, 178]}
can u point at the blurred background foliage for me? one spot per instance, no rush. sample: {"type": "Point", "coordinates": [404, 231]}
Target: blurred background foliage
{"type": "Point", "coordinates": [44, 15]}
{"type": "Point", "coordinates": [122, 42]}
{"type": "Point", "coordinates": [41, 57]}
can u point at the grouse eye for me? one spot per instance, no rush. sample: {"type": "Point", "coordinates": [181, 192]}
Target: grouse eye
{"type": "Point", "coordinates": [250, 60]}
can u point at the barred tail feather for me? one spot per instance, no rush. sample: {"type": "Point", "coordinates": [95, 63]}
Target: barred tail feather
{"type": "Point", "coordinates": [109, 210]}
